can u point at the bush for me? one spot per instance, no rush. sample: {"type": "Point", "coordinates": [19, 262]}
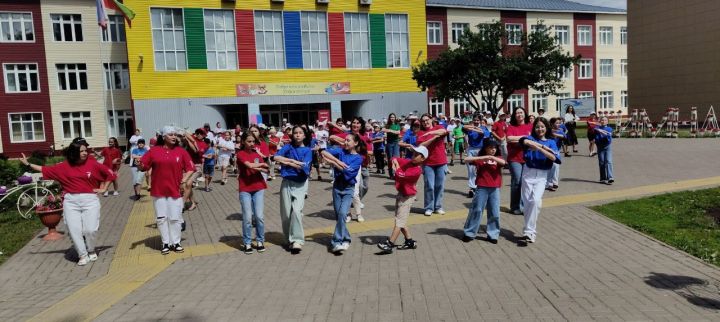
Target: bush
{"type": "Point", "coordinates": [10, 170]}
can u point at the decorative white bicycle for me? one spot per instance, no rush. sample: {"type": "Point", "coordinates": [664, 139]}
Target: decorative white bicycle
{"type": "Point", "coordinates": [29, 196]}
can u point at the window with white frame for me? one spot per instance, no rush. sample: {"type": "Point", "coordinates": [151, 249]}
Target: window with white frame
{"type": "Point", "coordinates": [624, 99]}
{"type": "Point", "coordinates": [72, 77]}
{"type": "Point", "coordinates": [606, 100]}
{"type": "Point", "coordinates": [460, 105]}
{"type": "Point", "coordinates": [564, 73]}
{"type": "Point", "coordinates": [458, 29]}
{"type": "Point", "coordinates": [220, 39]}
{"type": "Point", "coordinates": [357, 41]}
{"type": "Point", "coordinates": [26, 127]}
{"type": "Point", "coordinates": [168, 32]}
{"type": "Point", "coordinates": [434, 33]}
{"type": "Point", "coordinates": [67, 27]}
{"type": "Point", "coordinates": [16, 27]}
{"type": "Point", "coordinates": [558, 98]}
{"type": "Point", "coordinates": [606, 68]}
{"type": "Point", "coordinates": [623, 68]}
{"type": "Point", "coordinates": [116, 76]}
{"type": "Point", "coordinates": [122, 117]}
{"type": "Point", "coordinates": [516, 100]}
{"type": "Point", "coordinates": [584, 35]}
{"type": "Point", "coordinates": [562, 35]}
{"type": "Point", "coordinates": [76, 124]}
{"type": "Point", "coordinates": [623, 35]}
{"type": "Point", "coordinates": [541, 28]}
{"type": "Point", "coordinates": [606, 35]}
{"type": "Point", "coordinates": [21, 78]}
{"type": "Point", "coordinates": [314, 40]}
{"type": "Point", "coordinates": [269, 41]}
{"type": "Point", "coordinates": [514, 33]}
{"type": "Point", "coordinates": [115, 31]}
{"type": "Point", "coordinates": [539, 101]}
{"type": "Point", "coordinates": [396, 41]}
{"type": "Point", "coordinates": [437, 106]}
{"type": "Point", "coordinates": [585, 94]}
{"type": "Point", "coordinates": [585, 69]}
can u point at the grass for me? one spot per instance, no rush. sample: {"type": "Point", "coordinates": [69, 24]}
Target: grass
{"type": "Point", "coordinates": [15, 232]}
{"type": "Point", "coordinates": [688, 220]}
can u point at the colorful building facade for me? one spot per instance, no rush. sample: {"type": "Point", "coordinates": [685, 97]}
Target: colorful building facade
{"type": "Point", "coordinates": [193, 62]}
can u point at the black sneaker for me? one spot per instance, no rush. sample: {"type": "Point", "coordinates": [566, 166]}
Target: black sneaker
{"type": "Point", "coordinates": [409, 244]}
{"type": "Point", "coordinates": [260, 247]}
{"type": "Point", "coordinates": [462, 162]}
{"type": "Point", "coordinates": [182, 226]}
{"type": "Point", "coordinates": [492, 240]}
{"type": "Point", "coordinates": [523, 241]}
{"type": "Point", "coordinates": [178, 248]}
{"type": "Point", "coordinates": [467, 239]}
{"type": "Point", "coordinates": [452, 163]}
{"type": "Point", "coordinates": [247, 249]}
{"type": "Point", "coordinates": [471, 193]}
{"type": "Point", "coordinates": [386, 246]}
{"type": "Point", "coordinates": [165, 249]}
{"type": "Point", "coordinates": [611, 181]}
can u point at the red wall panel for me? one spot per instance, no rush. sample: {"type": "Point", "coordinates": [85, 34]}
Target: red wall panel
{"type": "Point", "coordinates": [437, 15]}
{"type": "Point", "coordinates": [518, 17]}
{"type": "Point", "coordinates": [587, 52]}
{"type": "Point", "coordinates": [245, 26]}
{"type": "Point", "coordinates": [336, 38]}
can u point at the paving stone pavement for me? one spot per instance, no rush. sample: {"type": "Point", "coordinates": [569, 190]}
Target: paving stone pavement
{"type": "Point", "coordinates": [583, 267]}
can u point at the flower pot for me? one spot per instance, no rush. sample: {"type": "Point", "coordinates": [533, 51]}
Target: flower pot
{"type": "Point", "coordinates": [51, 218]}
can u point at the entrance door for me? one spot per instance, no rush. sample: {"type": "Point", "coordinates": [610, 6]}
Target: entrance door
{"type": "Point", "coordinates": [271, 118]}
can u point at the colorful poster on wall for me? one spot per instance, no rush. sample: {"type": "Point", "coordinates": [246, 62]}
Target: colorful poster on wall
{"type": "Point", "coordinates": [254, 116]}
{"type": "Point", "coordinates": [284, 89]}
{"type": "Point", "coordinates": [323, 115]}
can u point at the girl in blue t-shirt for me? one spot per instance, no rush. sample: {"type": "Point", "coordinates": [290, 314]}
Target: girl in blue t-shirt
{"type": "Point", "coordinates": [409, 139]}
{"type": "Point", "coordinates": [138, 175]}
{"type": "Point", "coordinates": [347, 162]}
{"type": "Point", "coordinates": [558, 135]}
{"type": "Point", "coordinates": [603, 139]}
{"type": "Point", "coordinates": [540, 152]}
{"type": "Point", "coordinates": [209, 159]}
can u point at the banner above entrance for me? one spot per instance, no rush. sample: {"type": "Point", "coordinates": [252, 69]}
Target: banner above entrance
{"type": "Point", "coordinates": [272, 89]}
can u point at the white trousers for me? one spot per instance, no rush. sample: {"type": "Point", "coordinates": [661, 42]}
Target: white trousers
{"type": "Point", "coordinates": [168, 213]}
{"type": "Point", "coordinates": [531, 192]}
{"type": "Point", "coordinates": [82, 217]}
{"type": "Point", "coordinates": [356, 201]}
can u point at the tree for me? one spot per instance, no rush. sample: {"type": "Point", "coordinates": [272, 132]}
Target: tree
{"type": "Point", "coordinates": [485, 65]}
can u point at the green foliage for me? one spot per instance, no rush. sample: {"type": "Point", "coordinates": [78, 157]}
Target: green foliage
{"type": "Point", "coordinates": [484, 65]}
{"type": "Point", "coordinates": [10, 170]}
{"type": "Point", "coordinates": [681, 219]}
{"type": "Point", "coordinates": [16, 231]}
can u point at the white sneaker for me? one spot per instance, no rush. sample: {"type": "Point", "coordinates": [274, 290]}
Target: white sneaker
{"type": "Point", "coordinates": [296, 246]}
{"type": "Point", "coordinates": [517, 212]}
{"type": "Point", "coordinates": [428, 213]}
{"type": "Point", "coordinates": [92, 257]}
{"type": "Point", "coordinates": [362, 205]}
{"type": "Point", "coordinates": [448, 171]}
{"type": "Point", "coordinates": [105, 194]}
{"type": "Point", "coordinates": [348, 218]}
{"type": "Point", "coordinates": [440, 211]}
{"type": "Point", "coordinates": [345, 245]}
{"type": "Point", "coordinates": [115, 193]}
{"type": "Point", "coordinates": [84, 260]}
{"type": "Point", "coordinates": [360, 218]}
{"type": "Point", "coordinates": [338, 248]}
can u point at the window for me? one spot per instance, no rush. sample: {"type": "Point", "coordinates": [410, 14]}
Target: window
{"type": "Point", "coordinates": [16, 27]}
{"type": "Point", "coordinates": [539, 101]}
{"type": "Point", "coordinates": [116, 76]}
{"type": "Point", "coordinates": [542, 28]}
{"type": "Point", "coordinates": [514, 33]}
{"type": "Point", "coordinates": [623, 35]}
{"type": "Point", "coordinates": [460, 105]}
{"type": "Point", "coordinates": [21, 78]}
{"type": "Point", "coordinates": [396, 41]}
{"type": "Point", "coordinates": [606, 68]}
{"type": "Point", "coordinates": [458, 29]}
{"type": "Point", "coordinates": [168, 34]}
{"type": "Point", "coordinates": [516, 100]}
{"type": "Point", "coordinates": [437, 106]}
{"type": "Point", "coordinates": [562, 35]}
{"type": "Point", "coordinates": [220, 40]}
{"type": "Point", "coordinates": [606, 100]}
{"type": "Point", "coordinates": [67, 27]}
{"type": "Point", "coordinates": [28, 127]}
{"type": "Point", "coordinates": [122, 117]}
{"type": "Point", "coordinates": [76, 124]}
{"type": "Point", "coordinates": [564, 73]}
{"type": "Point", "coordinates": [585, 94]}
{"type": "Point", "coordinates": [624, 99]}
{"type": "Point", "coordinates": [623, 68]}
{"type": "Point", "coordinates": [606, 35]}
{"type": "Point", "coordinates": [584, 35]}
{"type": "Point", "coordinates": [357, 43]}
{"type": "Point", "coordinates": [115, 31]}
{"type": "Point", "coordinates": [314, 40]}
{"type": "Point", "coordinates": [72, 77]}
{"type": "Point", "coordinates": [585, 70]}
{"type": "Point", "coordinates": [269, 40]}
{"type": "Point", "coordinates": [434, 33]}
{"type": "Point", "coordinates": [558, 98]}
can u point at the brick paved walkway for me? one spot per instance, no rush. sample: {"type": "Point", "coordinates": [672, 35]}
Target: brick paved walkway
{"type": "Point", "coordinates": [583, 267]}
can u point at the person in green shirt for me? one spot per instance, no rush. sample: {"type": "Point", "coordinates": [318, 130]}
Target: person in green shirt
{"type": "Point", "coordinates": [392, 146]}
{"type": "Point", "coordinates": [459, 135]}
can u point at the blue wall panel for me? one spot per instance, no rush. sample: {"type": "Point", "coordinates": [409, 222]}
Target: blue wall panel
{"type": "Point", "coordinates": [293, 39]}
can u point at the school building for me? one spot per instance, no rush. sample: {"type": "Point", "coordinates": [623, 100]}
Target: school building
{"type": "Point", "coordinates": [599, 34]}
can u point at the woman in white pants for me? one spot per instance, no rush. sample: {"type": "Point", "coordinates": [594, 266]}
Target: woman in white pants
{"type": "Point", "coordinates": [539, 153]}
{"type": "Point", "coordinates": [81, 179]}
{"type": "Point", "coordinates": [171, 167]}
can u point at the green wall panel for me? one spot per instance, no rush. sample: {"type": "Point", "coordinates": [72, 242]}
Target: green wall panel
{"type": "Point", "coordinates": [377, 40]}
{"type": "Point", "coordinates": [195, 38]}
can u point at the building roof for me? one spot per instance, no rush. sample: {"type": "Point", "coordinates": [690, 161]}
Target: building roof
{"type": "Point", "coordinates": [525, 5]}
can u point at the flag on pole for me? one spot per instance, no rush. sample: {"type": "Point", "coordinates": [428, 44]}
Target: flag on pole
{"type": "Point", "coordinates": [119, 6]}
{"type": "Point", "coordinates": [102, 16]}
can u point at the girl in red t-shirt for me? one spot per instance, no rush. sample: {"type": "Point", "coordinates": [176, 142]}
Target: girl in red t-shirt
{"type": "Point", "coordinates": [519, 127]}
{"type": "Point", "coordinates": [81, 179]}
{"type": "Point", "coordinates": [251, 187]}
{"type": "Point", "coordinates": [274, 146]}
{"type": "Point", "coordinates": [487, 193]}
{"type": "Point", "coordinates": [432, 137]}
{"type": "Point", "coordinates": [112, 159]}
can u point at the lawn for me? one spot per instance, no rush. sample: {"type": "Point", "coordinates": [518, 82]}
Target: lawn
{"type": "Point", "coordinates": [16, 231]}
{"type": "Point", "coordinates": [688, 220]}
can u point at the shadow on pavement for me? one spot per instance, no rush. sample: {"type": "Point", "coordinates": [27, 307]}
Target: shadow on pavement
{"type": "Point", "coordinates": [693, 289]}
{"type": "Point", "coordinates": [328, 214]}
{"type": "Point", "coordinates": [579, 180]}
{"type": "Point", "coordinates": [372, 239]}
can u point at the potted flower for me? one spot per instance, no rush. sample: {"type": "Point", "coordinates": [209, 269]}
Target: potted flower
{"type": "Point", "coordinates": [50, 212]}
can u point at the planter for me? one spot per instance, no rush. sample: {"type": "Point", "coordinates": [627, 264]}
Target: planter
{"type": "Point", "coordinates": [51, 218]}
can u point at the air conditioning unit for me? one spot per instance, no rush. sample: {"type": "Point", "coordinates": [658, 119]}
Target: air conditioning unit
{"type": "Point", "coordinates": [323, 1]}
{"type": "Point", "coordinates": [366, 2]}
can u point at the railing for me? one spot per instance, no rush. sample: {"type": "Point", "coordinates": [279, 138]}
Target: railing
{"type": "Point", "coordinates": [29, 196]}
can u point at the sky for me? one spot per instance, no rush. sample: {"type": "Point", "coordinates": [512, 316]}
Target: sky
{"type": "Point", "coordinates": [622, 4]}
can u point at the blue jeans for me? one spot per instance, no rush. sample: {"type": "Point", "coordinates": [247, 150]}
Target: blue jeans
{"type": "Point", "coordinates": [515, 178]}
{"type": "Point", "coordinates": [472, 169]}
{"type": "Point", "coordinates": [485, 198]}
{"type": "Point", "coordinates": [341, 204]}
{"type": "Point", "coordinates": [392, 151]}
{"type": "Point", "coordinates": [252, 205]}
{"type": "Point", "coordinates": [434, 177]}
{"type": "Point", "coordinates": [605, 163]}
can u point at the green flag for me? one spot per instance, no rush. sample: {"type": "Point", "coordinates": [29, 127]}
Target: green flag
{"type": "Point", "coordinates": [127, 12]}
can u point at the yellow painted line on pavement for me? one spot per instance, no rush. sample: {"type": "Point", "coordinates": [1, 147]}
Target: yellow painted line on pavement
{"type": "Point", "coordinates": [136, 262]}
